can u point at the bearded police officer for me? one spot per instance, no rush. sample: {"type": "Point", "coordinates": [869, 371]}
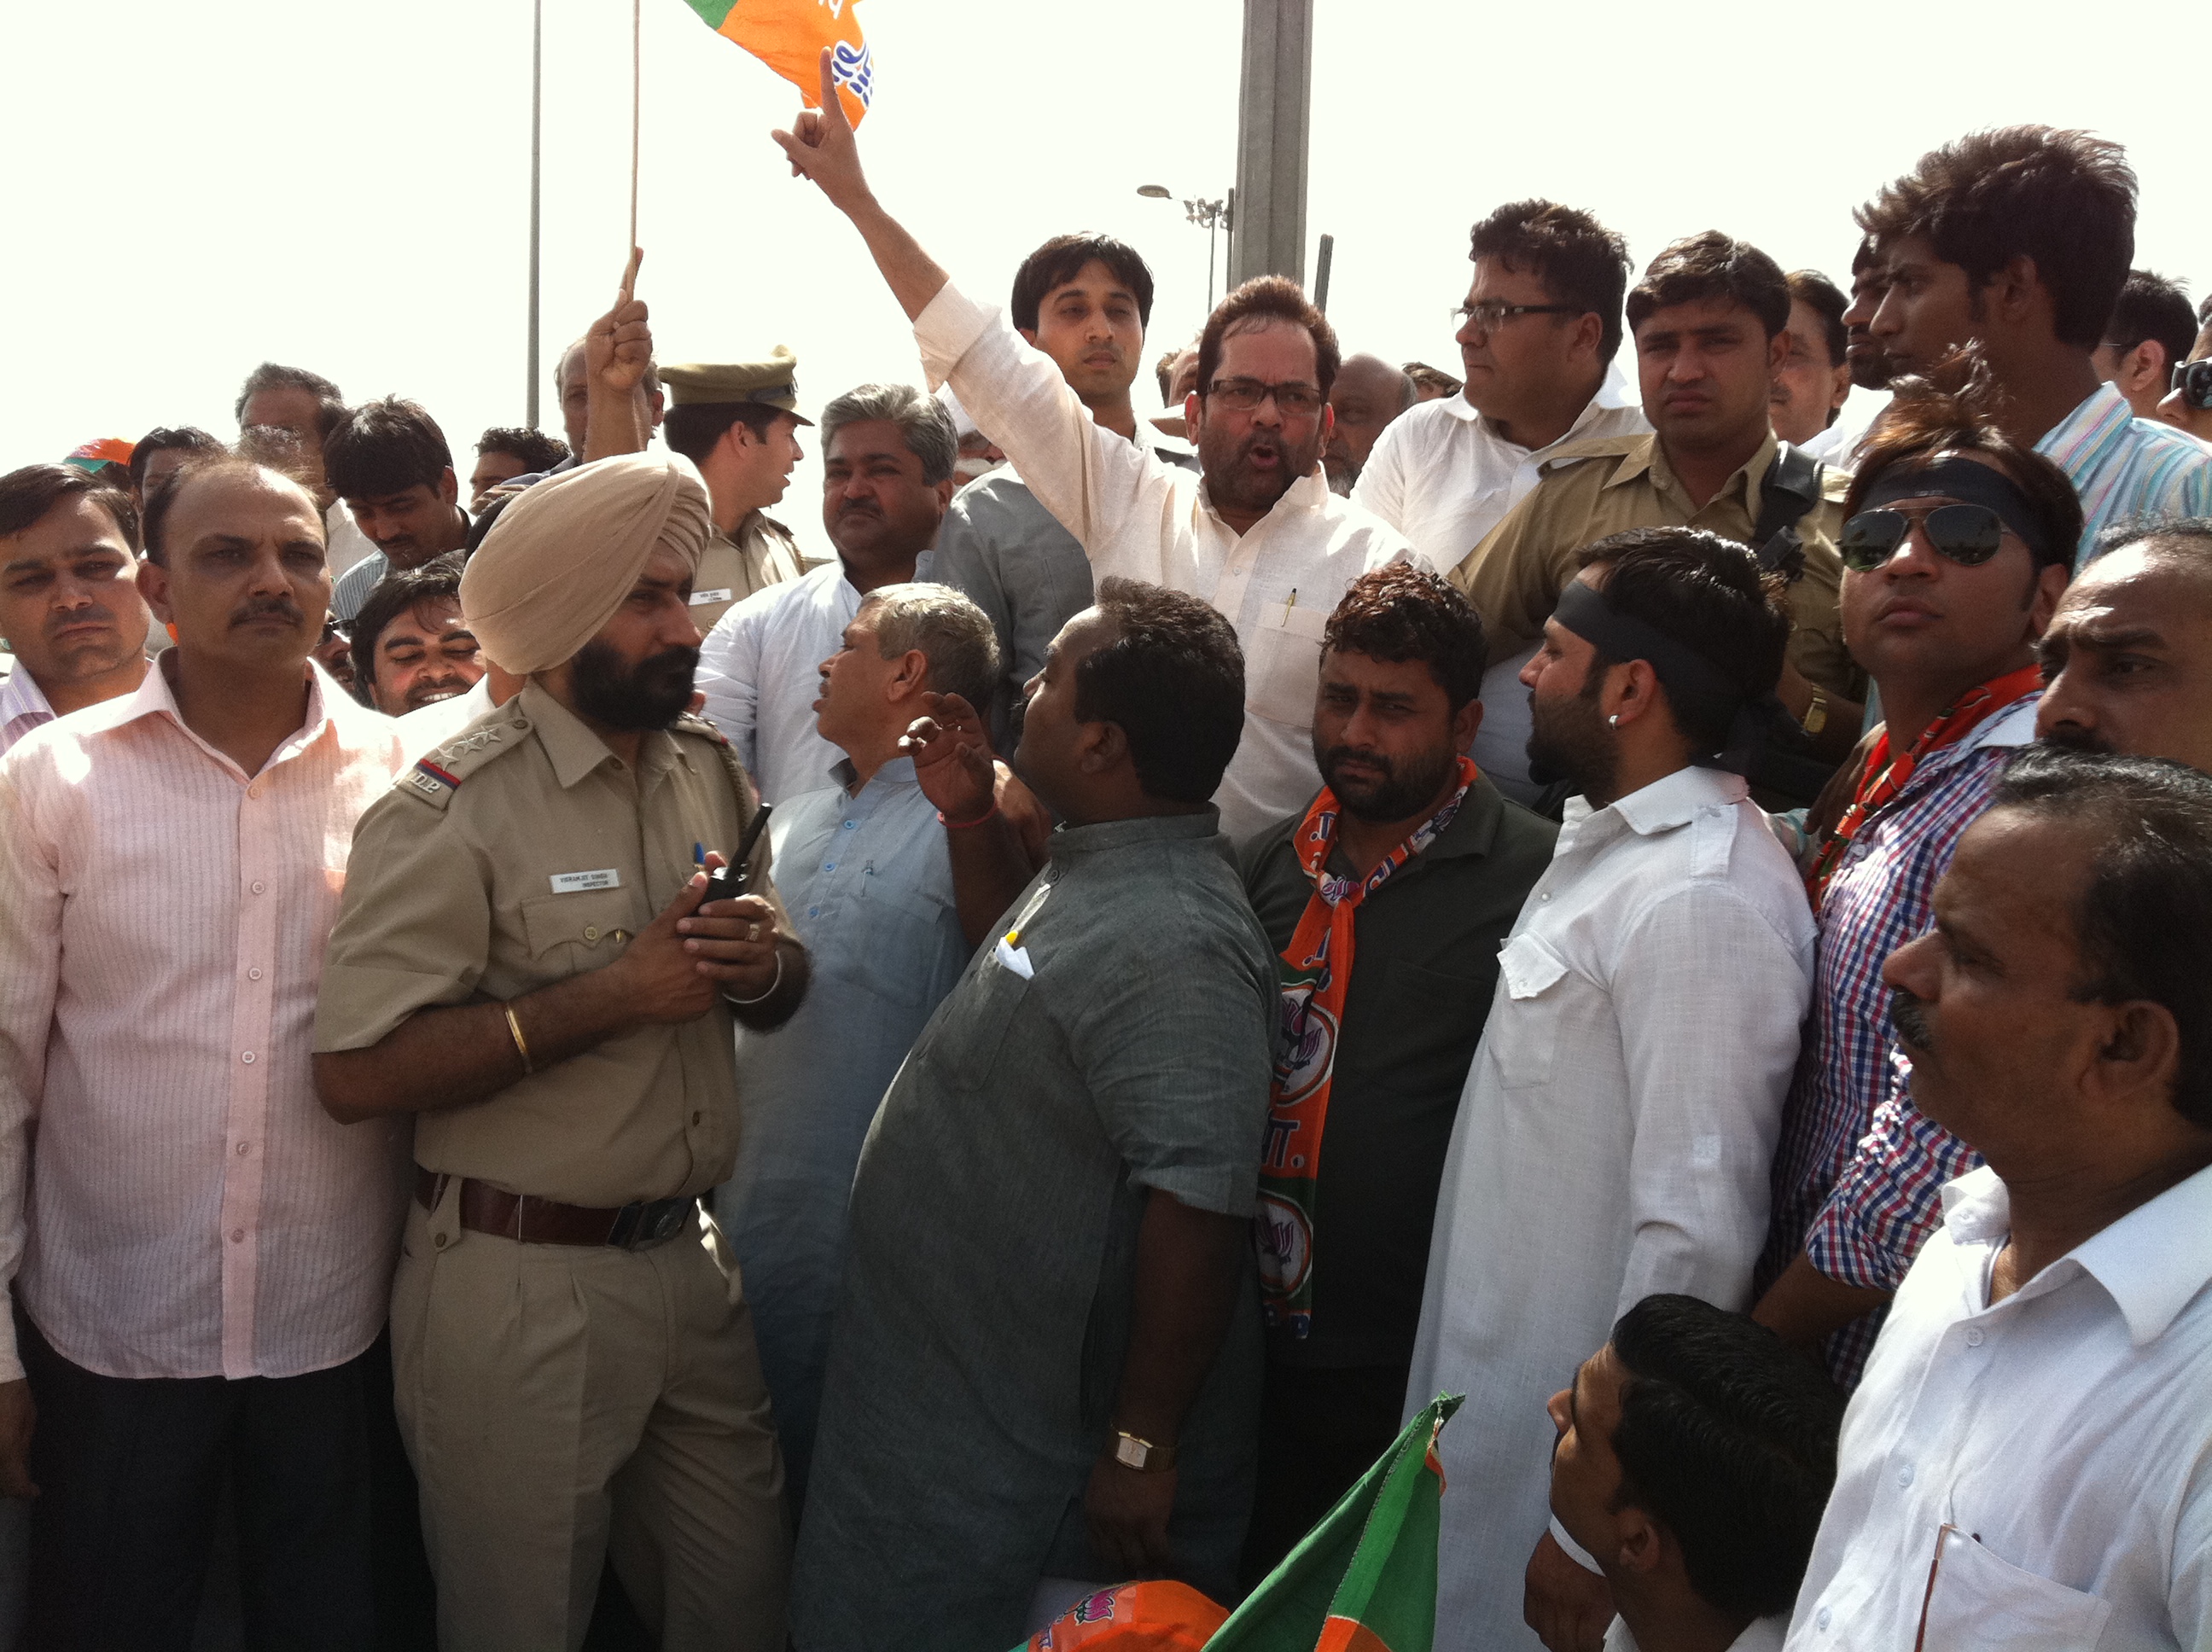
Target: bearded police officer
{"type": "Point", "coordinates": [523, 959]}
{"type": "Point", "coordinates": [738, 423]}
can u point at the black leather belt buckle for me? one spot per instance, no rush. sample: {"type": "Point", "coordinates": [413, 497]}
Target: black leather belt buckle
{"type": "Point", "coordinates": [649, 1221]}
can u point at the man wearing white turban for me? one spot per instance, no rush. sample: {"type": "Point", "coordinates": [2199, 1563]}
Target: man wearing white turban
{"type": "Point", "coordinates": [525, 959]}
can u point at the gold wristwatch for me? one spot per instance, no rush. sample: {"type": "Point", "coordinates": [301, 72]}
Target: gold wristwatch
{"type": "Point", "coordinates": [1816, 714]}
{"type": "Point", "coordinates": [1142, 1456]}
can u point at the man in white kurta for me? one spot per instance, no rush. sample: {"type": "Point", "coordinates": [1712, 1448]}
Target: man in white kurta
{"type": "Point", "coordinates": [1615, 1133]}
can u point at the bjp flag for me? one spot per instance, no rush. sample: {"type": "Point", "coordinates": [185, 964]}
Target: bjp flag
{"type": "Point", "coordinates": [788, 35]}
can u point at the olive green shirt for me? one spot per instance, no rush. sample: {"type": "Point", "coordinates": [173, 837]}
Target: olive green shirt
{"type": "Point", "coordinates": [520, 853]}
{"type": "Point", "coordinates": [1613, 483]}
{"type": "Point", "coordinates": [733, 566]}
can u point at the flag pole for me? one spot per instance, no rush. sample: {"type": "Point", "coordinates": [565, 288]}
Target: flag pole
{"type": "Point", "coordinates": [636, 9]}
{"type": "Point", "coordinates": [537, 128]}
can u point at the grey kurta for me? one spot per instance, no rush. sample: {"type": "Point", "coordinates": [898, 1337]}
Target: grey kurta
{"type": "Point", "coordinates": [984, 1313]}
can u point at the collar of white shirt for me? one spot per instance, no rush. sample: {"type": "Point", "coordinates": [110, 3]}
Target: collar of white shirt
{"type": "Point", "coordinates": [1616, 391]}
{"type": "Point", "coordinates": [20, 696]}
{"type": "Point", "coordinates": [2152, 1262]}
{"type": "Point", "coordinates": [1667, 803]}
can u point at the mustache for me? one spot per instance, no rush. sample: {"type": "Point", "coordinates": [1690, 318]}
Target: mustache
{"type": "Point", "coordinates": [2072, 737]}
{"type": "Point", "coordinates": [269, 608]}
{"type": "Point", "coordinates": [1333, 758]}
{"type": "Point", "coordinates": [1909, 1016]}
{"type": "Point", "coordinates": [91, 614]}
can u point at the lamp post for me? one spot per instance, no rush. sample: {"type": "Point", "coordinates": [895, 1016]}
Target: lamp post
{"type": "Point", "coordinates": [1212, 217]}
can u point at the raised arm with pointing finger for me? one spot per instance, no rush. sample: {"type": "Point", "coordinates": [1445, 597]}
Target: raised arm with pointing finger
{"type": "Point", "coordinates": [1256, 534]}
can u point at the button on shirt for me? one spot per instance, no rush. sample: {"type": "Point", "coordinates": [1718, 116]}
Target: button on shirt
{"type": "Point", "coordinates": [23, 706]}
{"type": "Point", "coordinates": [984, 1315]}
{"type": "Point", "coordinates": [541, 864]}
{"type": "Point", "coordinates": [1613, 1140]}
{"type": "Point", "coordinates": [191, 1211]}
{"type": "Point", "coordinates": [1015, 562]}
{"type": "Point", "coordinates": [868, 876]}
{"type": "Point", "coordinates": [1442, 475]}
{"type": "Point", "coordinates": [2055, 1445]}
{"type": "Point", "coordinates": [2124, 466]}
{"type": "Point", "coordinates": [756, 668]}
{"type": "Point", "coordinates": [1855, 1183]}
{"type": "Point", "coordinates": [1140, 517]}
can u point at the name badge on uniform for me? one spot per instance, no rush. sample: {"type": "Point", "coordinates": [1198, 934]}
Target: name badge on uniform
{"type": "Point", "coordinates": [574, 883]}
{"type": "Point", "coordinates": [722, 594]}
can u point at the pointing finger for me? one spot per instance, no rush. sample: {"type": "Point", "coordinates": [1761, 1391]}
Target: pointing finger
{"type": "Point", "coordinates": [629, 276]}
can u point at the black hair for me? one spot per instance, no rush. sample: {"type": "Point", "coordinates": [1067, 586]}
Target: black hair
{"type": "Point", "coordinates": [1578, 259]}
{"type": "Point", "coordinates": [1727, 1438]}
{"type": "Point", "coordinates": [397, 592]}
{"type": "Point", "coordinates": [535, 449]}
{"type": "Point", "coordinates": [1811, 286]}
{"type": "Point", "coordinates": [270, 376]}
{"type": "Point", "coordinates": [1061, 259]}
{"type": "Point", "coordinates": [1403, 612]}
{"type": "Point", "coordinates": [189, 438]}
{"type": "Point", "coordinates": [2065, 199]}
{"type": "Point", "coordinates": [2143, 923]}
{"type": "Point", "coordinates": [1173, 679]}
{"type": "Point", "coordinates": [385, 447]}
{"type": "Point", "coordinates": [155, 527]}
{"type": "Point", "coordinates": [1710, 265]}
{"type": "Point", "coordinates": [1710, 595]}
{"type": "Point", "coordinates": [1268, 298]}
{"type": "Point", "coordinates": [692, 428]}
{"type": "Point", "coordinates": [28, 493]}
{"type": "Point", "coordinates": [2151, 306]}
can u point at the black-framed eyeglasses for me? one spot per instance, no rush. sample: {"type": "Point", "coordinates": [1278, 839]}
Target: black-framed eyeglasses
{"type": "Point", "coordinates": [2194, 380]}
{"type": "Point", "coordinates": [1489, 315]}
{"type": "Point", "coordinates": [1968, 534]}
{"type": "Point", "coordinates": [1293, 400]}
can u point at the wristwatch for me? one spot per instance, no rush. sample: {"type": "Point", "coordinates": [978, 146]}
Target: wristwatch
{"type": "Point", "coordinates": [1142, 1456]}
{"type": "Point", "coordinates": [1816, 714]}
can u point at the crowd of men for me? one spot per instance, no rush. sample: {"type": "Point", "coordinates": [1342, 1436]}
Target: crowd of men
{"type": "Point", "coordinates": [659, 1083]}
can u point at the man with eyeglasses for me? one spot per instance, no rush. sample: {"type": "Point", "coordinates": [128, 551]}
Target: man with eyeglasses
{"type": "Point", "coordinates": [2188, 406]}
{"type": "Point", "coordinates": [1958, 544]}
{"type": "Point", "coordinates": [1710, 321]}
{"type": "Point", "coordinates": [1257, 534]}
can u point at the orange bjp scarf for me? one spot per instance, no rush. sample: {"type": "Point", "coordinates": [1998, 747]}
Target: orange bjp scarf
{"type": "Point", "coordinates": [1316, 972]}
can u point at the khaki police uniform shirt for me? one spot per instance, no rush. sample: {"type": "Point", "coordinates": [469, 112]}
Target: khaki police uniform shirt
{"type": "Point", "coordinates": [759, 554]}
{"type": "Point", "coordinates": [519, 854]}
{"type": "Point", "coordinates": [1594, 488]}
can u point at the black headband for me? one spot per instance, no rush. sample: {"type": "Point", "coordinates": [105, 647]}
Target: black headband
{"type": "Point", "coordinates": [1953, 476]}
{"type": "Point", "coordinates": [1682, 671]}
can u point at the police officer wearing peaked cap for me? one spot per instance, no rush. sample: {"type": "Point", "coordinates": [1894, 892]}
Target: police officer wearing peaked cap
{"type": "Point", "coordinates": [738, 422]}
{"type": "Point", "coordinates": [522, 960]}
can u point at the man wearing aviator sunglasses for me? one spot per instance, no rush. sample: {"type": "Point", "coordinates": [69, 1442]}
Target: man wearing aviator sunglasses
{"type": "Point", "coordinates": [1955, 550]}
{"type": "Point", "coordinates": [2189, 404]}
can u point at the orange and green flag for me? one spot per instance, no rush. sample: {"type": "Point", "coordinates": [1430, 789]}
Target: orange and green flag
{"type": "Point", "coordinates": [1364, 1580]}
{"type": "Point", "coordinates": [788, 36]}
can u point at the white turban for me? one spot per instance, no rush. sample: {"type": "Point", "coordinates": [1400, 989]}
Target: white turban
{"type": "Point", "coordinates": [563, 555]}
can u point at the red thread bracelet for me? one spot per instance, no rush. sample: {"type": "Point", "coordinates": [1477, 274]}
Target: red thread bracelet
{"type": "Point", "coordinates": [963, 825]}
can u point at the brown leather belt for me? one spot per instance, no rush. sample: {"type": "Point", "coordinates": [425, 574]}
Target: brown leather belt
{"type": "Point", "coordinates": [487, 1209]}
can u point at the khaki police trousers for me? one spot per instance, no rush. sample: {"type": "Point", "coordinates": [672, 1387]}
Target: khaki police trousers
{"type": "Point", "coordinates": [569, 1405]}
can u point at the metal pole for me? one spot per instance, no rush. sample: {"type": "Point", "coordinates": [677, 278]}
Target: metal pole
{"type": "Point", "coordinates": [1212, 234]}
{"type": "Point", "coordinates": [1273, 100]}
{"type": "Point", "coordinates": [537, 116]}
{"type": "Point", "coordinates": [1320, 272]}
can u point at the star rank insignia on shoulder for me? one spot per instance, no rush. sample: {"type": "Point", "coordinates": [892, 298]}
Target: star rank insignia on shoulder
{"type": "Point", "coordinates": [435, 778]}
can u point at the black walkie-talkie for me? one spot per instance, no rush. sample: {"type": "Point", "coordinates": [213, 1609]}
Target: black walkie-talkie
{"type": "Point", "coordinates": [728, 883]}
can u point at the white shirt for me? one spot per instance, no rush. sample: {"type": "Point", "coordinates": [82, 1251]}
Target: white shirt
{"type": "Point", "coordinates": [1760, 1635]}
{"type": "Point", "coordinates": [1613, 1140]}
{"type": "Point", "coordinates": [426, 727]}
{"type": "Point", "coordinates": [1140, 517]}
{"type": "Point", "coordinates": [756, 668]}
{"type": "Point", "coordinates": [23, 706]}
{"type": "Point", "coordinates": [1442, 475]}
{"type": "Point", "coordinates": [343, 541]}
{"type": "Point", "coordinates": [2064, 1436]}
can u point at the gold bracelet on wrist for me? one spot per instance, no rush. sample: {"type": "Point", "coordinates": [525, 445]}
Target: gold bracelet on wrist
{"type": "Point", "coordinates": [515, 1031]}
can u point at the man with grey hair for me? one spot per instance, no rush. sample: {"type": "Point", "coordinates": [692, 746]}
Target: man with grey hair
{"type": "Point", "coordinates": [866, 870]}
{"type": "Point", "coordinates": [1367, 398]}
{"type": "Point", "coordinates": [887, 456]}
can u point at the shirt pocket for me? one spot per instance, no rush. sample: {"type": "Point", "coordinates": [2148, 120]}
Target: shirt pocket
{"type": "Point", "coordinates": [1523, 1035]}
{"type": "Point", "coordinates": [972, 1025]}
{"type": "Point", "coordinates": [1282, 674]}
{"type": "Point", "coordinates": [1976, 1598]}
{"type": "Point", "coordinates": [568, 934]}
{"type": "Point", "coordinates": [903, 934]}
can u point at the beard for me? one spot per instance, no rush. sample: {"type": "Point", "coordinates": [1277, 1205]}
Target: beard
{"type": "Point", "coordinates": [649, 695]}
{"type": "Point", "coordinates": [1231, 478]}
{"type": "Point", "coordinates": [1402, 789]}
{"type": "Point", "coordinates": [1568, 740]}
{"type": "Point", "coordinates": [1909, 1015]}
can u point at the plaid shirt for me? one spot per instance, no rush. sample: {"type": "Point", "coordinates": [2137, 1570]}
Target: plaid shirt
{"type": "Point", "coordinates": [1856, 1176]}
{"type": "Point", "coordinates": [2124, 466]}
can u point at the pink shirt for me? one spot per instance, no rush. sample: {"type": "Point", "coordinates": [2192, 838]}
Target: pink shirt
{"type": "Point", "coordinates": [184, 1206]}
{"type": "Point", "coordinates": [23, 706]}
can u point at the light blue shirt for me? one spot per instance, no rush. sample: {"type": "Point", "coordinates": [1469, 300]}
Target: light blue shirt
{"type": "Point", "coordinates": [2124, 466]}
{"type": "Point", "coordinates": [867, 880]}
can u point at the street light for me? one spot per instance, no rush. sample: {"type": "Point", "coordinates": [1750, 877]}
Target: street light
{"type": "Point", "coordinates": [1212, 217]}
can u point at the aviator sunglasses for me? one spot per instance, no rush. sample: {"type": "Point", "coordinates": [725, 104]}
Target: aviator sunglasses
{"type": "Point", "coordinates": [1968, 534]}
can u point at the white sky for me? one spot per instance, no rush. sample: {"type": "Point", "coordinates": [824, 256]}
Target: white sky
{"type": "Point", "coordinates": [195, 188]}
